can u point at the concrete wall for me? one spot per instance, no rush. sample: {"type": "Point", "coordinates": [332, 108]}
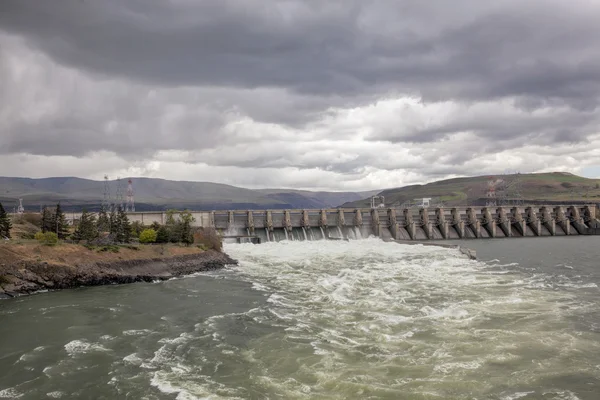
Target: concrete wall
{"type": "Point", "coordinates": [202, 218]}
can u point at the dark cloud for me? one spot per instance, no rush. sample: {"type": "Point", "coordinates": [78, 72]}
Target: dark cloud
{"type": "Point", "coordinates": [300, 85]}
{"type": "Point", "coordinates": [540, 48]}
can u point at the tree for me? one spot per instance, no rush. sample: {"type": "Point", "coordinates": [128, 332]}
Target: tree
{"type": "Point", "coordinates": [87, 229]}
{"type": "Point", "coordinates": [103, 224]}
{"type": "Point", "coordinates": [5, 224]}
{"type": "Point", "coordinates": [162, 235]}
{"type": "Point", "coordinates": [186, 220]}
{"type": "Point", "coordinates": [113, 222]}
{"type": "Point", "coordinates": [59, 223]}
{"type": "Point", "coordinates": [123, 227]}
{"type": "Point", "coordinates": [148, 236]}
{"type": "Point", "coordinates": [171, 217]}
{"type": "Point", "coordinates": [47, 218]}
{"type": "Point", "coordinates": [137, 228]}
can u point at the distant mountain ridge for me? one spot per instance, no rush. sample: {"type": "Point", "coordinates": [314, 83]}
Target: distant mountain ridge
{"type": "Point", "coordinates": [550, 188]}
{"type": "Point", "coordinates": [160, 194]}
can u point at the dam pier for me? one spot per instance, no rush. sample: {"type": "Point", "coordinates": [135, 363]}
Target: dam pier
{"type": "Point", "coordinates": [413, 224]}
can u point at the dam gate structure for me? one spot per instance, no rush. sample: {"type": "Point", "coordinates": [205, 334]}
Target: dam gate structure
{"type": "Point", "coordinates": [412, 224]}
{"type": "Point", "coordinates": [408, 223]}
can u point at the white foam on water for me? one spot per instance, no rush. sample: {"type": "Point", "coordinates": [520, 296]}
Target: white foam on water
{"type": "Point", "coordinates": [133, 359]}
{"type": "Point", "coordinates": [374, 319]}
{"type": "Point", "coordinates": [10, 393]}
{"type": "Point", "coordinates": [136, 332]}
{"type": "Point", "coordinates": [378, 301]}
{"type": "Point", "coordinates": [76, 347]}
{"type": "Point", "coordinates": [55, 395]}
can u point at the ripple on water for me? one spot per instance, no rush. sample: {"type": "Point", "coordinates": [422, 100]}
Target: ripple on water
{"type": "Point", "coordinates": [380, 320]}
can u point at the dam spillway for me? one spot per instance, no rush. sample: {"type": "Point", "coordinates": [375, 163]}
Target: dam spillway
{"type": "Point", "coordinates": [412, 224]}
{"type": "Point", "coordinates": [407, 224]}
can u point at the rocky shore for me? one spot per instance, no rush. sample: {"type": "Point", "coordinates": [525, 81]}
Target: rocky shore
{"type": "Point", "coordinates": [28, 276]}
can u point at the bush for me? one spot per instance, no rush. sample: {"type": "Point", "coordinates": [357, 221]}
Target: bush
{"type": "Point", "coordinates": [208, 239]}
{"type": "Point", "coordinates": [148, 236]}
{"type": "Point", "coordinates": [110, 247]}
{"type": "Point", "coordinates": [48, 238]}
{"type": "Point", "coordinates": [137, 228]}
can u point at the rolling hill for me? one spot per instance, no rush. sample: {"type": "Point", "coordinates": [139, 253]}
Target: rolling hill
{"type": "Point", "coordinates": [159, 194]}
{"type": "Point", "coordinates": [551, 188]}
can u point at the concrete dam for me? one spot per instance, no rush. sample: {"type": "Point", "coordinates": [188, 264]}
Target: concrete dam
{"type": "Point", "coordinates": [408, 224]}
{"type": "Point", "coordinates": [418, 224]}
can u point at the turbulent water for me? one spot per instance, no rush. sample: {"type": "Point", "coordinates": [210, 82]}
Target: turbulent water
{"type": "Point", "coordinates": [324, 320]}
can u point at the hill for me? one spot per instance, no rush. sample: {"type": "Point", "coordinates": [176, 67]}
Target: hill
{"type": "Point", "coordinates": [160, 194]}
{"type": "Point", "coordinates": [552, 188]}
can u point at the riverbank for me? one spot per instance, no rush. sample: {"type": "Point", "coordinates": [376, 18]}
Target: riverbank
{"type": "Point", "coordinates": [28, 268]}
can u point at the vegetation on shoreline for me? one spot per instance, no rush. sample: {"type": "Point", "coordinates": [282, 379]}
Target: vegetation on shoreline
{"type": "Point", "coordinates": [108, 232]}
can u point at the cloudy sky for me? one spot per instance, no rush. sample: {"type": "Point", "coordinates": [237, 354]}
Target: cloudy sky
{"type": "Point", "coordinates": [337, 94]}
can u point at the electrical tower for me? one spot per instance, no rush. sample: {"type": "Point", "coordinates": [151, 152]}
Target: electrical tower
{"type": "Point", "coordinates": [130, 207]}
{"type": "Point", "coordinates": [510, 190]}
{"type": "Point", "coordinates": [491, 200]}
{"type": "Point", "coordinates": [20, 209]}
{"type": "Point", "coordinates": [119, 195]}
{"type": "Point", "coordinates": [106, 204]}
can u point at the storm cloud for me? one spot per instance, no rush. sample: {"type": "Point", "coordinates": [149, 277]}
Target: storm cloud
{"type": "Point", "coordinates": [313, 94]}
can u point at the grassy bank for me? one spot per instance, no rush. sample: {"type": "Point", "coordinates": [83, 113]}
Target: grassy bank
{"type": "Point", "coordinates": [19, 251]}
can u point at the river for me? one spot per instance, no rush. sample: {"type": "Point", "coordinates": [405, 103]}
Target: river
{"type": "Point", "coordinates": [323, 320]}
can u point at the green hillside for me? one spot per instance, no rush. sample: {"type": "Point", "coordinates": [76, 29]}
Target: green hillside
{"type": "Point", "coordinates": [555, 187]}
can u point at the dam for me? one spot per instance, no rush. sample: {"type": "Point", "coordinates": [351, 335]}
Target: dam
{"type": "Point", "coordinates": [415, 224]}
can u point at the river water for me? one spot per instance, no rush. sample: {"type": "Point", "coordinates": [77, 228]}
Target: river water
{"type": "Point", "coordinates": [323, 320]}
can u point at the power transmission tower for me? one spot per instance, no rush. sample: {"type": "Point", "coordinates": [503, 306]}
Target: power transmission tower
{"type": "Point", "coordinates": [119, 195]}
{"type": "Point", "coordinates": [106, 204]}
{"type": "Point", "coordinates": [491, 200]}
{"type": "Point", "coordinates": [20, 209]}
{"type": "Point", "coordinates": [130, 207]}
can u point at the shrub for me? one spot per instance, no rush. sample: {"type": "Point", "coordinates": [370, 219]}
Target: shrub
{"type": "Point", "coordinates": [208, 239]}
{"type": "Point", "coordinates": [137, 228]}
{"type": "Point", "coordinates": [148, 236]}
{"type": "Point", "coordinates": [48, 238]}
{"type": "Point", "coordinates": [110, 247]}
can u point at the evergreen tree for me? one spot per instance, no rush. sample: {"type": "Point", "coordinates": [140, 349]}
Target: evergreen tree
{"type": "Point", "coordinates": [123, 227]}
{"type": "Point", "coordinates": [162, 235]}
{"type": "Point", "coordinates": [187, 236]}
{"type": "Point", "coordinates": [46, 220]}
{"type": "Point", "coordinates": [59, 223]}
{"type": "Point", "coordinates": [5, 224]}
{"type": "Point", "coordinates": [113, 223]}
{"type": "Point", "coordinates": [103, 224]}
{"type": "Point", "coordinates": [87, 229]}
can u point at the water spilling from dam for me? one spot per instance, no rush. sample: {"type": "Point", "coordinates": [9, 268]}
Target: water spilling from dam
{"type": "Point", "coordinates": [323, 319]}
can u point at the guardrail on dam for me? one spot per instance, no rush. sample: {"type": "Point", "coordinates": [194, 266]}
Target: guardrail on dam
{"type": "Point", "coordinates": [393, 223]}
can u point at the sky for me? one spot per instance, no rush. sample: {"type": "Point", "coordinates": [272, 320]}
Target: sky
{"type": "Point", "coordinates": [309, 94]}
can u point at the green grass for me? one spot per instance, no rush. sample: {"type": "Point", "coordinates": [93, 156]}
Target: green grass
{"type": "Point", "coordinates": [562, 187]}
